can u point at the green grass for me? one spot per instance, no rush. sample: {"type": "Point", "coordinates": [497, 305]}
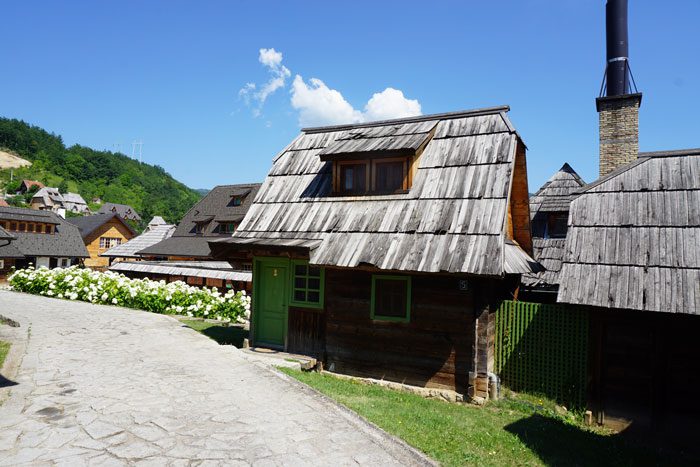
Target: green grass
{"type": "Point", "coordinates": [224, 335]}
{"type": "Point", "coordinates": [4, 349]}
{"type": "Point", "coordinates": [521, 430]}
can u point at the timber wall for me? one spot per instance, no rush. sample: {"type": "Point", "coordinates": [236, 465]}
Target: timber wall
{"type": "Point", "coordinates": [434, 349]}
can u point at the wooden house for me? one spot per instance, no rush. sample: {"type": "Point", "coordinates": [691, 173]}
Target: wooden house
{"type": "Point", "coordinates": [100, 232]}
{"type": "Point", "coordinates": [384, 248]}
{"type": "Point", "coordinates": [185, 253]}
{"type": "Point", "coordinates": [48, 199]}
{"type": "Point", "coordinates": [73, 202]}
{"type": "Point", "coordinates": [217, 215]}
{"type": "Point", "coordinates": [39, 238]}
{"type": "Point", "coordinates": [633, 259]}
{"type": "Point", "coordinates": [122, 210]}
{"type": "Point", "coordinates": [549, 214]}
{"type": "Point", "coordinates": [156, 231]}
{"type": "Point", "coordinates": [27, 185]}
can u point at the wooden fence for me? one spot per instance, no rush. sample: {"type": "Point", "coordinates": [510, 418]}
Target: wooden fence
{"type": "Point", "coordinates": [543, 349]}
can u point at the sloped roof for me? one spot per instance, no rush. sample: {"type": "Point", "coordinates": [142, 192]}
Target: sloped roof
{"type": "Point", "coordinates": [30, 183]}
{"type": "Point", "coordinates": [7, 248]}
{"type": "Point", "coordinates": [5, 235]}
{"type": "Point", "coordinates": [73, 198]}
{"type": "Point", "coordinates": [549, 253]}
{"type": "Point", "coordinates": [451, 220]}
{"type": "Point", "coordinates": [557, 192]}
{"type": "Point", "coordinates": [49, 196]}
{"type": "Point", "coordinates": [216, 207]}
{"type": "Point", "coordinates": [554, 196]}
{"type": "Point", "coordinates": [205, 269]}
{"type": "Point", "coordinates": [88, 224]}
{"type": "Point", "coordinates": [157, 220]}
{"type": "Point", "coordinates": [64, 242]}
{"type": "Point", "coordinates": [124, 210]}
{"type": "Point", "coordinates": [634, 237]}
{"type": "Point", "coordinates": [150, 237]}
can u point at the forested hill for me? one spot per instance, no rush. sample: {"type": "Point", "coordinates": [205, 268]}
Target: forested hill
{"type": "Point", "coordinates": [112, 177]}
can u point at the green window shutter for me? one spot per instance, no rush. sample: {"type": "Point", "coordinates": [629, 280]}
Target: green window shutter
{"type": "Point", "coordinates": [391, 298]}
{"type": "Point", "coordinates": [307, 285]}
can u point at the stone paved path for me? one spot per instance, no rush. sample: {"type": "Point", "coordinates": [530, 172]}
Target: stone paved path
{"type": "Point", "coordinates": [107, 386]}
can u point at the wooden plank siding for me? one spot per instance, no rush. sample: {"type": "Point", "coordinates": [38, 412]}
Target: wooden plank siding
{"type": "Point", "coordinates": [434, 349]}
{"type": "Point", "coordinates": [657, 388]}
{"type": "Point", "coordinates": [111, 229]}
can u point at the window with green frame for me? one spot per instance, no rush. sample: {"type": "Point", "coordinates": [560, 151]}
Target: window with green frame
{"type": "Point", "coordinates": [307, 285]}
{"type": "Point", "coordinates": [391, 298]}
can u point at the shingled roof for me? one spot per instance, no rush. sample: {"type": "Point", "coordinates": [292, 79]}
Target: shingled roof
{"type": "Point", "coordinates": [88, 224]}
{"type": "Point", "coordinates": [634, 237]}
{"type": "Point", "coordinates": [210, 212]}
{"type": "Point", "coordinates": [150, 237]}
{"type": "Point", "coordinates": [65, 242]}
{"type": "Point", "coordinates": [453, 219]}
{"type": "Point", "coordinates": [7, 249]}
{"type": "Point", "coordinates": [124, 210]}
{"type": "Point", "coordinates": [554, 196]}
{"type": "Point", "coordinates": [557, 192]}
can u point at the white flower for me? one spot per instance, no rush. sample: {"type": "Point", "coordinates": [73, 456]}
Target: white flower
{"type": "Point", "coordinates": [114, 300]}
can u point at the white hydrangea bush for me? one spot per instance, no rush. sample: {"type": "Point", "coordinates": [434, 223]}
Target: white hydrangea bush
{"type": "Point", "coordinates": [110, 288]}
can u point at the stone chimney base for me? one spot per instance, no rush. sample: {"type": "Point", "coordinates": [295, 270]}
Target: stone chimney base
{"type": "Point", "coordinates": [619, 130]}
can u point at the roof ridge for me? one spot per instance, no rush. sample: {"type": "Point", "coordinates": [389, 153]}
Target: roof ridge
{"type": "Point", "coordinates": [414, 119]}
{"type": "Point", "coordinates": [671, 153]}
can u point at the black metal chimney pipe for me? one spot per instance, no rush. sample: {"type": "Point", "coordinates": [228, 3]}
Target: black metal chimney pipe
{"type": "Point", "coordinates": [617, 47]}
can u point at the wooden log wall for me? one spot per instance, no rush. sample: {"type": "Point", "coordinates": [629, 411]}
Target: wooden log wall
{"type": "Point", "coordinates": [306, 331]}
{"type": "Point", "coordinates": [645, 370]}
{"type": "Point", "coordinates": [434, 349]}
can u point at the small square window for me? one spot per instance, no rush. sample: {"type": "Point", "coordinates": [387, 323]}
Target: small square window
{"type": "Point", "coordinates": [557, 225]}
{"type": "Point", "coordinates": [391, 298]}
{"type": "Point", "coordinates": [307, 285]}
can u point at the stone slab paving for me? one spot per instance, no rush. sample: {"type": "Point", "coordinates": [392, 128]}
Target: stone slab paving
{"type": "Point", "coordinates": [102, 385]}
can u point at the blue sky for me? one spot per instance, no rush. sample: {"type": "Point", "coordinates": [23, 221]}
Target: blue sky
{"type": "Point", "coordinates": [104, 74]}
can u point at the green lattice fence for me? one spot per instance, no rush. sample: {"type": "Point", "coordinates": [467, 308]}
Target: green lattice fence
{"type": "Point", "coordinates": [543, 349]}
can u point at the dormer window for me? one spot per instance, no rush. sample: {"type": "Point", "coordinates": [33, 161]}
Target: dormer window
{"type": "Point", "coordinates": [238, 195]}
{"type": "Point", "coordinates": [377, 159]}
{"type": "Point", "coordinates": [557, 225]}
{"type": "Point", "coordinates": [372, 176]}
{"type": "Point", "coordinates": [227, 227]}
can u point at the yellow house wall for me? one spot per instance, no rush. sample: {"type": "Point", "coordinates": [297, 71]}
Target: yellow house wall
{"type": "Point", "coordinates": [112, 229]}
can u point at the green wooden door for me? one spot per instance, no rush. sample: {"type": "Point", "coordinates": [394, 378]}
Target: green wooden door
{"type": "Point", "coordinates": [271, 301]}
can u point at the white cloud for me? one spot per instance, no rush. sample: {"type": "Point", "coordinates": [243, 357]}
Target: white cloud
{"type": "Point", "coordinates": [252, 94]}
{"type": "Point", "coordinates": [390, 103]}
{"type": "Point", "coordinates": [318, 104]}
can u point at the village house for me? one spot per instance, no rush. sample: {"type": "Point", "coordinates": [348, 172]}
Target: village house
{"type": "Point", "coordinates": [189, 258]}
{"type": "Point", "coordinates": [549, 213]}
{"type": "Point", "coordinates": [41, 238]}
{"type": "Point", "coordinates": [384, 248]}
{"type": "Point", "coordinates": [48, 199]}
{"type": "Point", "coordinates": [156, 231]}
{"type": "Point", "coordinates": [632, 261]}
{"type": "Point", "coordinates": [100, 232]}
{"type": "Point", "coordinates": [122, 210]}
{"type": "Point", "coordinates": [73, 202]}
{"type": "Point", "coordinates": [27, 185]}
